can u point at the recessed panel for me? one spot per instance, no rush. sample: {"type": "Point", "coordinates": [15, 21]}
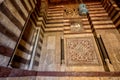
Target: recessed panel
{"type": "Point", "coordinates": [81, 51]}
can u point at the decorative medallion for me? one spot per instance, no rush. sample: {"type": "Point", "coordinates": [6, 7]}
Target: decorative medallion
{"type": "Point", "coordinates": [81, 51]}
{"type": "Point", "coordinates": [76, 26]}
{"type": "Point", "coordinates": [71, 11]}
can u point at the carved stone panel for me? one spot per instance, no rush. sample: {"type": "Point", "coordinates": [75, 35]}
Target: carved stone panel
{"type": "Point", "coordinates": [81, 51]}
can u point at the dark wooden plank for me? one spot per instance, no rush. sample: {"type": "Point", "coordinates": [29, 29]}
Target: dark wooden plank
{"type": "Point", "coordinates": [8, 13]}
{"type": "Point", "coordinates": [8, 33]}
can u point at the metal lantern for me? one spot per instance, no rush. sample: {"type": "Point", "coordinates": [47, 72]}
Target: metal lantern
{"type": "Point", "coordinates": [82, 9]}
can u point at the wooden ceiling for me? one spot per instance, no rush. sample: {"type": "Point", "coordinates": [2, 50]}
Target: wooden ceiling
{"type": "Point", "coordinates": [68, 1]}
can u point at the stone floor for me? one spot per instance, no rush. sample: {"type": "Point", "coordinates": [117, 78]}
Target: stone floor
{"type": "Point", "coordinates": [81, 48]}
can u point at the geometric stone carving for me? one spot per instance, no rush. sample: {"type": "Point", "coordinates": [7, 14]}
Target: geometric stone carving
{"type": "Point", "coordinates": [81, 51]}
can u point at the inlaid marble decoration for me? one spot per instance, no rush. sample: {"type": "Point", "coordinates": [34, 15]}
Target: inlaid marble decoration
{"type": "Point", "coordinates": [81, 51]}
{"type": "Point", "coordinates": [71, 11]}
{"type": "Point", "coordinates": [76, 27]}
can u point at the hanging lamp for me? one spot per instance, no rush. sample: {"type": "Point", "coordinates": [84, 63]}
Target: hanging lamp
{"type": "Point", "coordinates": [82, 9]}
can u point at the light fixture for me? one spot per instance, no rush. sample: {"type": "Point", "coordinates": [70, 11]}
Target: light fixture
{"type": "Point", "coordinates": [82, 9]}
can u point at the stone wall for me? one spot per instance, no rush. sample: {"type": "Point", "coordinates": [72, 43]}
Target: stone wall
{"type": "Point", "coordinates": [113, 11]}
{"type": "Point", "coordinates": [111, 40]}
{"type": "Point", "coordinates": [17, 27]}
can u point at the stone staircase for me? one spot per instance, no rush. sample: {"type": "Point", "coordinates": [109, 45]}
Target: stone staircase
{"type": "Point", "coordinates": [54, 19]}
{"type": "Point", "coordinates": [99, 16]}
{"type": "Point", "coordinates": [85, 26]}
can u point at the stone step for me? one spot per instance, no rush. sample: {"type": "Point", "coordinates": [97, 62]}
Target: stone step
{"type": "Point", "coordinates": [80, 32]}
{"type": "Point", "coordinates": [60, 6]}
{"type": "Point", "coordinates": [96, 9]}
{"type": "Point", "coordinates": [55, 12]}
{"type": "Point", "coordinates": [65, 21]}
{"type": "Point", "coordinates": [67, 27]}
{"type": "Point", "coordinates": [55, 9]}
{"type": "Point", "coordinates": [41, 19]}
{"type": "Point", "coordinates": [104, 26]}
{"type": "Point", "coordinates": [54, 25]}
{"type": "Point", "coordinates": [94, 6]}
{"type": "Point", "coordinates": [53, 29]}
{"type": "Point", "coordinates": [58, 21]}
{"type": "Point", "coordinates": [68, 24]}
{"type": "Point", "coordinates": [96, 15]}
{"type": "Point", "coordinates": [84, 19]}
{"type": "Point", "coordinates": [41, 23]}
{"type": "Point", "coordinates": [93, 3]}
{"type": "Point", "coordinates": [55, 21]}
{"type": "Point", "coordinates": [100, 18]}
{"type": "Point", "coordinates": [54, 15]}
{"type": "Point", "coordinates": [102, 22]}
{"type": "Point", "coordinates": [100, 11]}
{"type": "Point", "coordinates": [84, 27]}
{"type": "Point", "coordinates": [85, 22]}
